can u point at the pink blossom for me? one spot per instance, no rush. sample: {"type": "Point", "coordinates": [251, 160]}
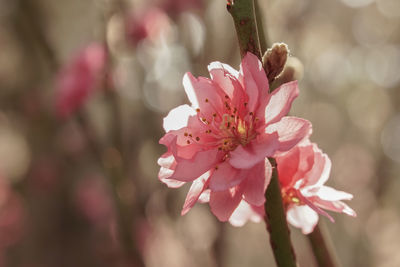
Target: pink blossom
{"type": "Point", "coordinates": [221, 142]}
{"type": "Point", "coordinates": [148, 25]}
{"type": "Point", "coordinates": [175, 7]}
{"type": "Point", "coordinates": [303, 172]}
{"type": "Point", "coordinates": [12, 215]}
{"type": "Point", "coordinates": [78, 79]}
{"type": "Point", "coordinates": [93, 200]}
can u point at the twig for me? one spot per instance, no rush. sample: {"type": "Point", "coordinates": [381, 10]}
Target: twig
{"type": "Point", "coordinates": [322, 247]}
{"type": "Point", "coordinates": [243, 14]}
{"type": "Point", "coordinates": [260, 28]}
{"type": "Point", "coordinates": [275, 218]}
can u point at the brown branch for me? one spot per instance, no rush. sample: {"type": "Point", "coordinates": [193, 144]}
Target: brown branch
{"type": "Point", "coordinates": [322, 247]}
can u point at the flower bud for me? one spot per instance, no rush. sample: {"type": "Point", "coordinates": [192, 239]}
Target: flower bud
{"type": "Point", "coordinates": [274, 60]}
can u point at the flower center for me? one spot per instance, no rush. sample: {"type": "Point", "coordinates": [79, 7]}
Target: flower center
{"type": "Point", "coordinates": [290, 197]}
{"type": "Point", "coordinates": [227, 128]}
{"type": "Point", "coordinates": [236, 130]}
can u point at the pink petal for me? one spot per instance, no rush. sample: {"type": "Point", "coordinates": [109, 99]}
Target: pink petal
{"type": "Point", "coordinates": [320, 176]}
{"type": "Point", "coordinates": [171, 183]}
{"type": "Point", "coordinates": [178, 118]}
{"type": "Point", "coordinates": [227, 79]}
{"type": "Point", "coordinates": [225, 177]}
{"type": "Point", "coordinates": [190, 169]}
{"type": "Point", "coordinates": [281, 102]}
{"type": "Point", "coordinates": [336, 206]}
{"type": "Point", "coordinates": [203, 93]}
{"type": "Point", "coordinates": [288, 165]}
{"type": "Point", "coordinates": [205, 196]}
{"type": "Point", "coordinates": [197, 187]}
{"type": "Point", "coordinates": [254, 79]}
{"type": "Point", "coordinates": [257, 182]}
{"type": "Point", "coordinates": [330, 194]}
{"type": "Point", "coordinates": [302, 217]}
{"type": "Point", "coordinates": [168, 163]}
{"type": "Point", "coordinates": [291, 131]}
{"type": "Point", "coordinates": [245, 157]}
{"type": "Point", "coordinates": [243, 213]}
{"type": "Point", "coordinates": [311, 202]}
{"type": "Point", "coordinates": [223, 203]}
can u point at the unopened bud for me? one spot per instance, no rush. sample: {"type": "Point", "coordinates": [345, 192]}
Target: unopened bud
{"type": "Point", "coordinates": [293, 70]}
{"type": "Point", "coordinates": [274, 60]}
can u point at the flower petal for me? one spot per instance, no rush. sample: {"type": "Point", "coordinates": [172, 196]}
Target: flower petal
{"type": "Point", "coordinates": [245, 157]}
{"type": "Point", "coordinates": [204, 94]}
{"type": "Point", "coordinates": [225, 177]}
{"type": "Point", "coordinates": [243, 213]}
{"type": "Point", "coordinates": [291, 131]}
{"type": "Point", "coordinates": [302, 217]}
{"type": "Point", "coordinates": [281, 101]}
{"type": "Point", "coordinates": [178, 118]}
{"type": "Point", "coordinates": [227, 79]}
{"type": "Point", "coordinates": [257, 182]}
{"type": "Point", "coordinates": [223, 203]}
{"type": "Point", "coordinates": [190, 169]}
{"type": "Point", "coordinates": [196, 189]}
{"type": "Point", "coordinates": [255, 81]}
{"type": "Point", "coordinates": [288, 165]}
{"type": "Point", "coordinates": [205, 196]}
{"type": "Point", "coordinates": [330, 194]}
{"type": "Point", "coordinates": [336, 206]}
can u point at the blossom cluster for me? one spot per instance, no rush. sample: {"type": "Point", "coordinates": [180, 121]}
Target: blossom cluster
{"type": "Point", "coordinates": [222, 142]}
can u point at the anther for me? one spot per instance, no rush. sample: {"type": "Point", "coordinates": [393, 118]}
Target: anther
{"type": "Point", "coordinates": [197, 138]}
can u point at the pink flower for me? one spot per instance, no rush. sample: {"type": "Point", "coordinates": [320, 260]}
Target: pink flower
{"type": "Point", "coordinates": [150, 24]}
{"type": "Point", "coordinates": [78, 79]}
{"type": "Point", "coordinates": [175, 7]}
{"type": "Point", "coordinates": [303, 172]}
{"type": "Point", "coordinates": [221, 142]}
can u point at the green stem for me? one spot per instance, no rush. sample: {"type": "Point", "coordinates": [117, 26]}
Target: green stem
{"type": "Point", "coordinates": [260, 28]}
{"type": "Point", "coordinates": [243, 14]}
{"type": "Point", "coordinates": [275, 218]}
{"type": "Point", "coordinates": [322, 247]}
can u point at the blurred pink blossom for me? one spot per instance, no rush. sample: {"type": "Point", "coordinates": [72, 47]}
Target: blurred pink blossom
{"type": "Point", "coordinates": [303, 172]}
{"type": "Point", "coordinates": [148, 25]}
{"type": "Point", "coordinates": [174, 7]}
{"type": "Point", "coordinates": [78, 79]}
{"type": "Point", "coordinates": [221, 142]}
{"type": "Point", "coordinates": [12, 215]}
{"type": "Point", "coordinates": [93, 200]}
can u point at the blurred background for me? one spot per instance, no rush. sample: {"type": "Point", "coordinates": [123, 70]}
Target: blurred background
{"type": "Point", "coordinates": [84, 86]}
